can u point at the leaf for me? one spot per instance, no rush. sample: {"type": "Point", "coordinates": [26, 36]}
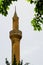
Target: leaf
{"type": "Point", "coordinates": [4, 6]}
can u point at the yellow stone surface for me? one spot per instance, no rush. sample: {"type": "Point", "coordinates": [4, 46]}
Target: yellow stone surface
{"type": "Point", "coordinates": [15, 36]}
{"type": "Point", "coordinates": [16, 50]}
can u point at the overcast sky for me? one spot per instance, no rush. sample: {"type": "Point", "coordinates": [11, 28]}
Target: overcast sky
{"type": "Point", "coordinates": [31, 45]}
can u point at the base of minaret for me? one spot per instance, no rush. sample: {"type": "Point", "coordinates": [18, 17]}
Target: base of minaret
{"type": "Point", "coordinates": [15, 37]}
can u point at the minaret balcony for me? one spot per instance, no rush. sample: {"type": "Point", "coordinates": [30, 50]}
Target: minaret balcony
{"type": "Point", "coordinates": [15, 34]}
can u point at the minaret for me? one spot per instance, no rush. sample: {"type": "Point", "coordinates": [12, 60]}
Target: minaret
{"type": "Point", "coordinates": [15, 36]}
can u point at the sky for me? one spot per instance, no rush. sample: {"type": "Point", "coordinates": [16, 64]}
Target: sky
{"type": "Point", "coordinates": [31, 44]}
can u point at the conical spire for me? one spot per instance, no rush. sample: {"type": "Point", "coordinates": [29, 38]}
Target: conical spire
{"type": "Point", "coordinates": [15, 14]}
{"type": "Point", "coordinates": [15, 21]}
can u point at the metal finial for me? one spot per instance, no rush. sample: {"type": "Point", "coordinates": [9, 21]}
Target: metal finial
{"type": "Point", "coordinates": [15, 11]}
{"type": "Point", "coordinates": [15, 8]}
{"type": "Point", "coordinates": [15, 14]}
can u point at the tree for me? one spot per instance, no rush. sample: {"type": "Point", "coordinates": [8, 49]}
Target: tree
{"type": "Point", "coordinates": [4, 6]}
{"type": "Point", "coordinates": [7, 62]}
{"type": "Point", "coordinates": [38, 19]}
{"type": "Point", "coordinates": [14, 62]}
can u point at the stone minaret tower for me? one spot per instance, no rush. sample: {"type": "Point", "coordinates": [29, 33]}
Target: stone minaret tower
{"type": "Point", "coordinates": [15, 36]}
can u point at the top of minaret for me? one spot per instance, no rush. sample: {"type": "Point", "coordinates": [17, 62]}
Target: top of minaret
{"type": "Point", "coordinates": [15, 21]}
{"type": "Point", "coordinates": [15, 32]}
{"type": "Point", "coordinates": [15, 14]}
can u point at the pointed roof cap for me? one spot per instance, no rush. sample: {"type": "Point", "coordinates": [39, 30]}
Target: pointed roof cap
{"type": "Point", "coordinates": [15, 14]}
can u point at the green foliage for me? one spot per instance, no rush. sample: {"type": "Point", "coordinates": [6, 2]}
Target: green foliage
{"type": "Point", "coordinates": [4, 6]}
{"type": "Point", "coordinates": [14, 62]}
{"type": "Point", "coordinates": [38, 19]}
{"type": "Point", "coordinates": [39, 7]}
{"type": "Point", "coordinates": [7, 62]}
{"type": "Point", "coordinates": [0, 1]}
{"type": "Point", "coordinates": [36, 24]}
{"type": "Point", "coordinates": [19, 63]}
{"type": "Point", "coordinates": [30, 1]}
